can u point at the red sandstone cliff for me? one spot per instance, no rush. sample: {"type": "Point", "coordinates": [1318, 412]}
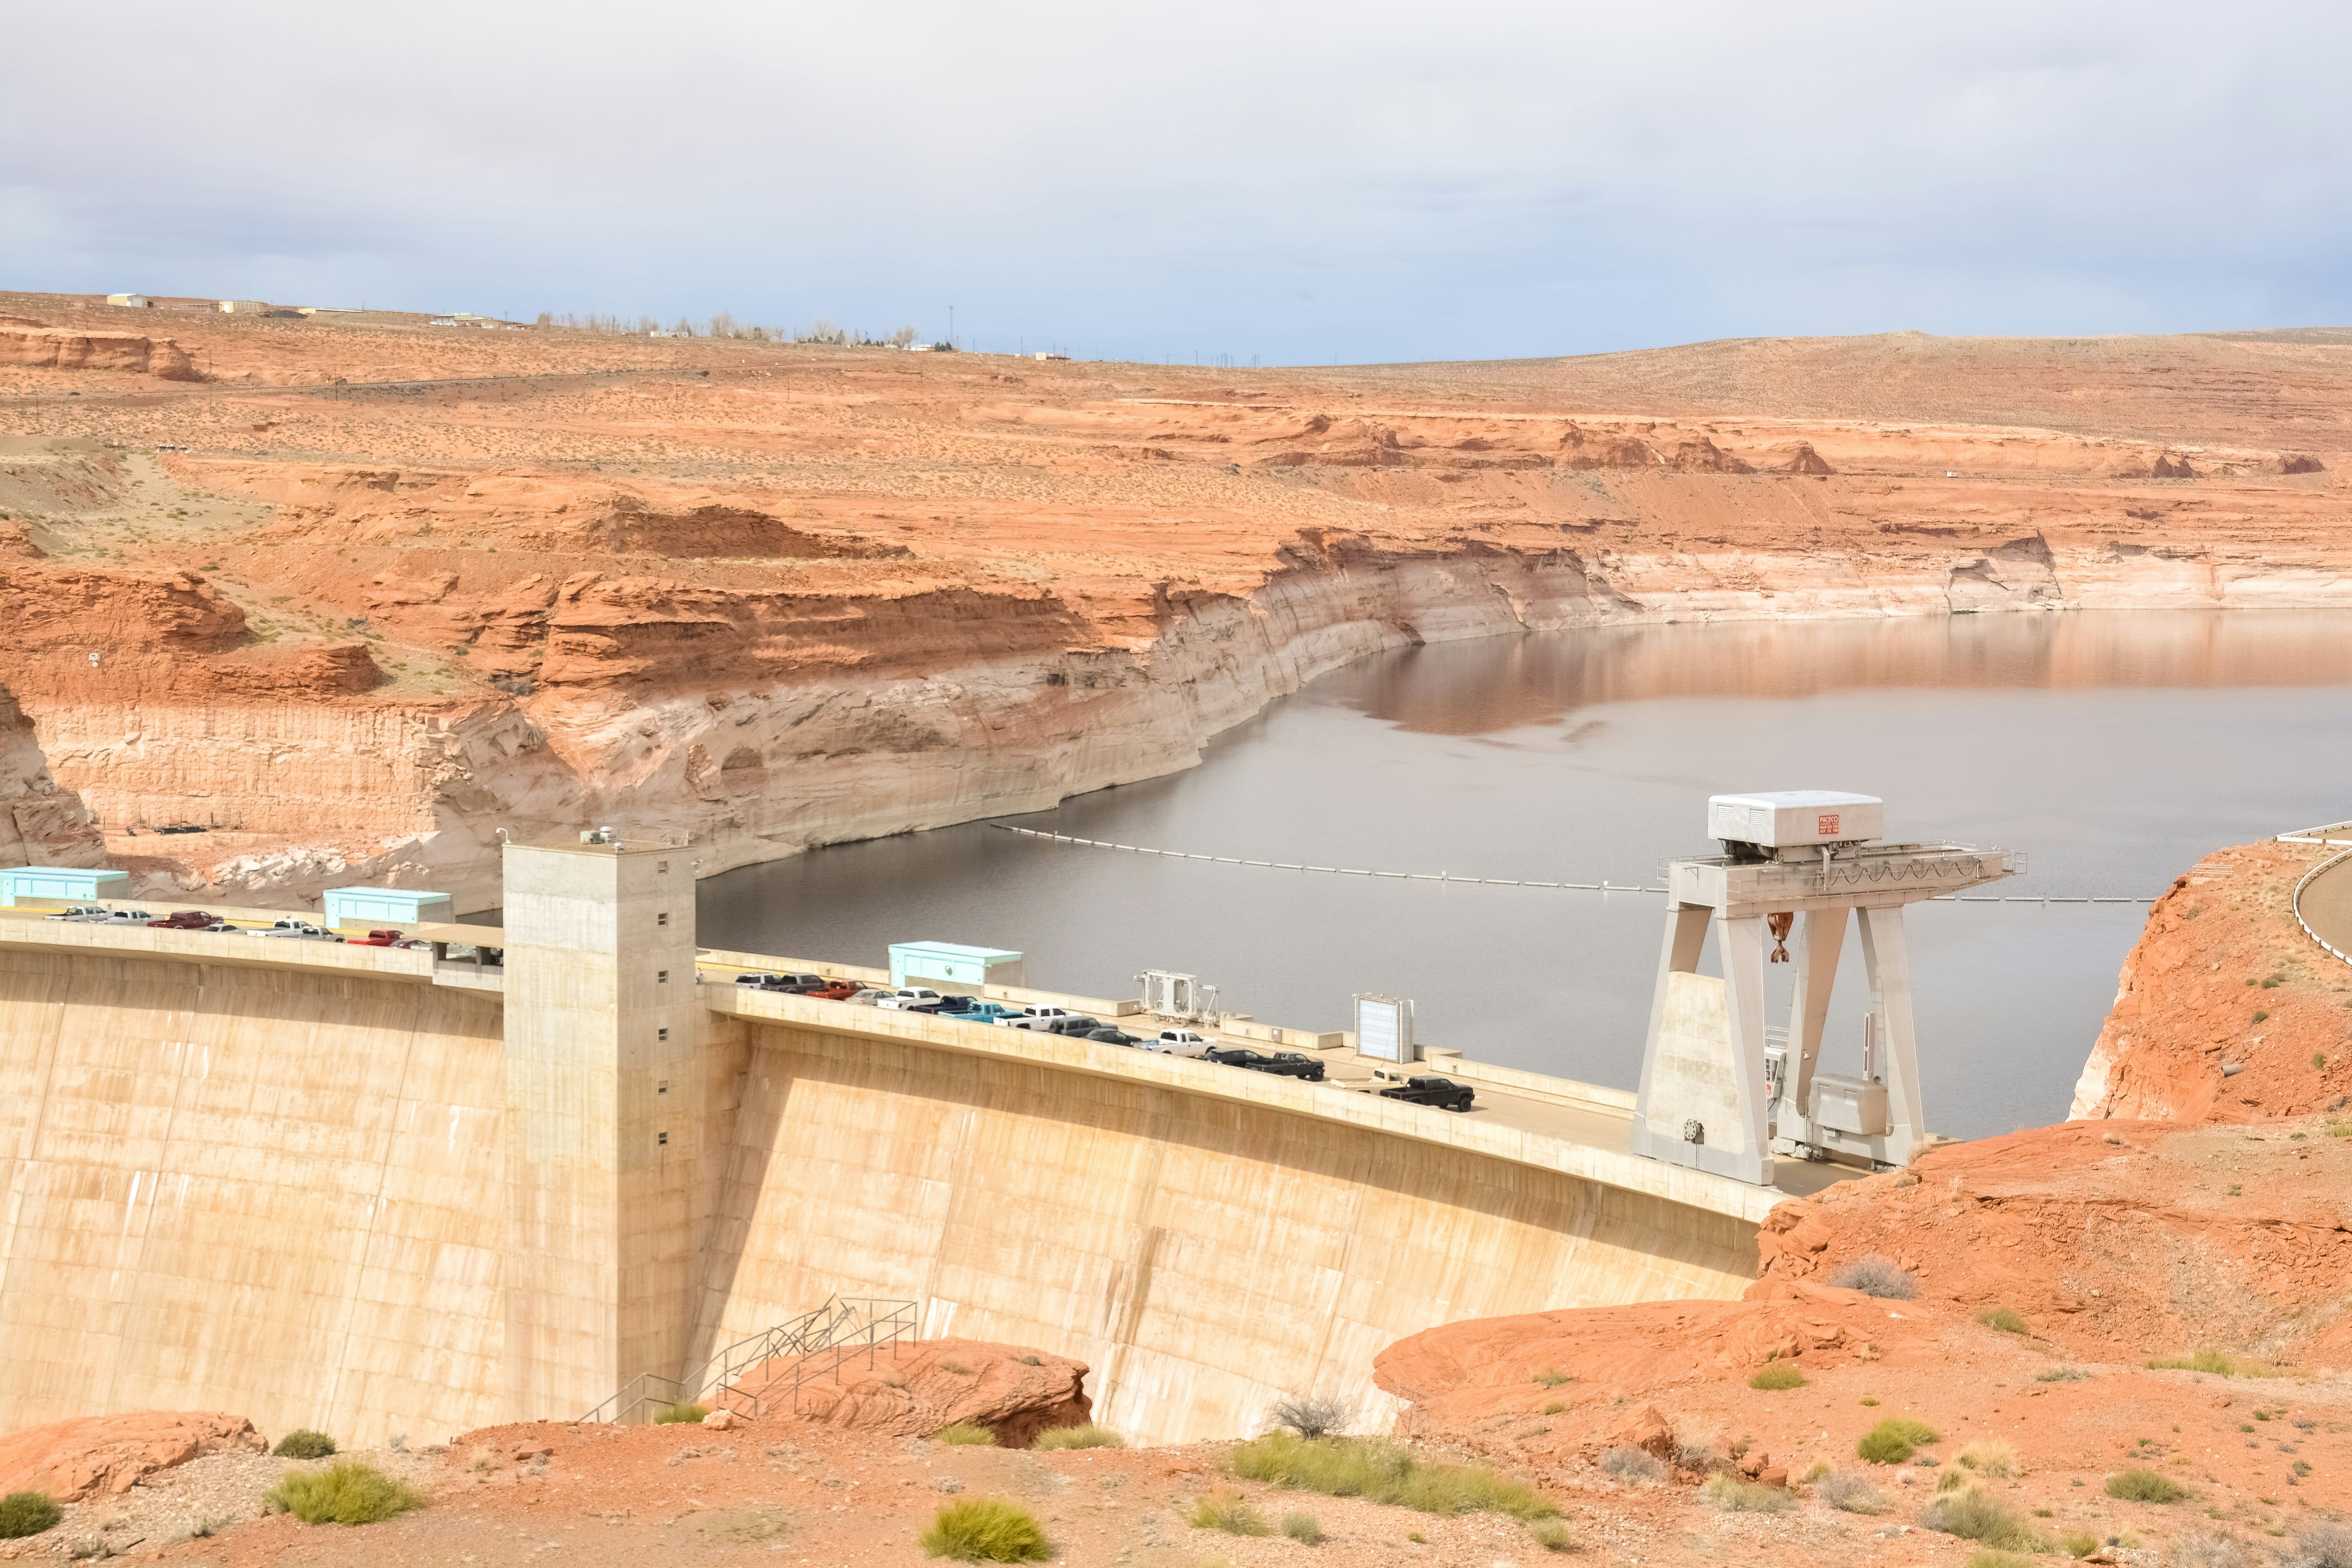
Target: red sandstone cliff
{"type": "Point", "coordinates": [776, 596]}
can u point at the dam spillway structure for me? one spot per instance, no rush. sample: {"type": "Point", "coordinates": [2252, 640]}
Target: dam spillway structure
{"type": "Point", "coordinates": [1721, 1089]}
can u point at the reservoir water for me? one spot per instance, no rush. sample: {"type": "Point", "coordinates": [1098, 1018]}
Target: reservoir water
{"type": "Point", "coordinates": [2114, 748]}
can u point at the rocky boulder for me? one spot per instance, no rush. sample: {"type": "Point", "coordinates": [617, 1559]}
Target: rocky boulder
{"type": "Point", "coordinates": [105, 1456]}
{"type": "Point", "coordinates": [913, 1390]}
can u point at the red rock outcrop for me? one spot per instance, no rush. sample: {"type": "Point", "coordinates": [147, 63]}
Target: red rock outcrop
{"type": "Point", "coordinates": [41, 825]}
{"type": "Point", "coordinates": [2137, 1238]}
{"type": "Point", "coordinates": [2225, 1010]}
{"type": "Point", "coordinates": [105, 1456]}
{"type": "Point", "coordinates": [53, 348]}
{"type": "Point", "coordinates": [913, 1390]}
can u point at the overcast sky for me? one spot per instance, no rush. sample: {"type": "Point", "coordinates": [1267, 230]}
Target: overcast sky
{"type": "Point", "coordinates": [1364, 182]}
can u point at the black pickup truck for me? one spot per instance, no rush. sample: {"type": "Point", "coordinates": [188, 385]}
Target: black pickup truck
{"type": "Point", "coordinates": [1283, 1064]}
{"type": "Point", "coordinates": [1442, 1092]}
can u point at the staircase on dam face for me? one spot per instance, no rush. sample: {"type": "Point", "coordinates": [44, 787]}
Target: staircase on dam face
{"type": "Point", "coordinates": [767, 1371]}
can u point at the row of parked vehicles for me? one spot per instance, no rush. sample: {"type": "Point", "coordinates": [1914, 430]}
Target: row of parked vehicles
{"type": "Point", "coordinates": [197, 919]}
{"type": "Point", "coordinates": [1046, 1020]}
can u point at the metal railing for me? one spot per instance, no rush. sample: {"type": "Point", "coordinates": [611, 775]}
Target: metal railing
{"type": "Point", "coordinates": [818, 1344]}
{"type": "Point", "coordinates": [2295, 903]}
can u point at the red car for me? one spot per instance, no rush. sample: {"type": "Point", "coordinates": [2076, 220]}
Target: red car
{"type": "Point", "coordinates": [186, 919]}
{"type": "Point", "coordinates": [839, 991]}
{"type": "Point", "coordinates": [373, 939]}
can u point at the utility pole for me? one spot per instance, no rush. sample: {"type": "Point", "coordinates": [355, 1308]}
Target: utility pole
{"type": "Point", "coordinates": [950, 326]}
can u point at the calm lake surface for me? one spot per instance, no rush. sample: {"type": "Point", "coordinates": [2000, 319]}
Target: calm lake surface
{"type": "Point", "coordinates": [2115, 748]}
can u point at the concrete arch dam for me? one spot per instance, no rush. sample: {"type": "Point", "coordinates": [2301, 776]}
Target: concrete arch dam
{"type": "Point", "coordinates": [359, 1189]}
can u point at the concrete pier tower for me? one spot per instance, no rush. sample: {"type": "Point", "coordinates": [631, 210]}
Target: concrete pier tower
{"type": "Point", "coordinates": [605, 1119]}
{"type": "Point", "coordinates": [1720, 1090]}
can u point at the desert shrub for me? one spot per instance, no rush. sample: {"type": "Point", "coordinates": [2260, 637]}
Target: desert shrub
{"type": "Point", "coordinates": [2061, 1375]}
{"type": "Point", "coordinates": [346, 1492]}
{"type": "Point", "coordinates": [1989, 1557]}
{"type": "Point", "coordinates": [1552, 1377]}
{"type": "Point", "coordinates": [1892, 1440]}
{"type": "Point", "coordinates": [1876, 1275]}
{"type": "Point", "coordinates": [2006, 1320]}
{"type": "Point", "coordinates": [1815, 1472]}
{"type": "Point", "coordinates": [1311, 1415]}
{"type": "Point", "coordinates": [26, 1514]}
{"type": "Point", "coordinates": [1777, 1375]}
{"type": "Point", "coordinates": [985, 1529]}
{"type": "Point", "coordinates": [2145, 1486]}
{"type": "Point", "coordinates": [1850, 1494]}
{"type": "Point", "coordinates": [1954, 1480]}
{"type": "Point", "coordinates": [304, 1444]}
{"type": "Point", "coordinates": [1227, 1509]}
{"type": "Point", "coordinates": [1998, 1460]}
{"type": "Point", "coordinates": [2325, 1545]}
{"type": "Point", "coordinates": [1093, 1435]}
{"type": "Point", "coordinates": [2207, 1549]}
{"type": "Point", "coordinates": [2215, 1361]}
{"type": "Point", "coordinates": [1302, 1527]}
{"type": "Point", "coordinates": [1553, 1408]}
{"type": "Point", "coordinates": [1385, 1472]}
{"type": "Point", "coordinates": [2078, 1543]}
{"type": "Point", "coordinates": [1632, 1465]}
{"type": "Point", "coordinates": [1735, 1496]}
{"type": "Point", "coordinates": [679, 1415]}
{"type": "Point", "coordinates": [1553, 1535]}
{"type": "Point", "coordinates": [1695, 1450]}
{"type": "Point", "coordinates": [1977, 1516]}
{"type": "Point", "coordinates": [964, 1435]}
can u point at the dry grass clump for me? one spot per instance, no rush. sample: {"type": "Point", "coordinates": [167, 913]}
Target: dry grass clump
{"type": "Point", "coordinates": [1552, 1377]}
{"type": "Point", "coordinates": [1227, 1509]}
{"type": "Point", "coordinates": [346, 1492]}
{"type": "Point", "coordinates": [1093, 1435]}
{"type": "Point", "coordinates": [2078, 1543]}
{"type": "Point", "coordinates": [2209, 1548]}
{"type": "Point", "coordinates": [1302, 1527]}
{"type": "Point", "coordinates": [1553, 1535]}
{"type": "Point", "coordinates": [1633, 1466]}
{"type": "Point", "coordinates": [964, 1435]}
{"type": "Point", "coordinates": [2141, 1485]}
{"type": "Point", "coordinates": [1998, 1460]}
{"type": "Point", "coordinates": [1850, 1494]}
{"type": "Point", "coordinates": [1311, 1415]}
{"type": "Point", "coordinates": [2323, 1545]}
{"type": "Point", "coordinates": [1892, 1441]}
{"type": "Point", "coordinates": [985, 1529]}
{"type": "Point", "coordinates": [1734, 1496]}
{"type": "Point", "coordinates": [26, 1514]}
{"type": "Point", "coordinates": [1385, 1472]}
{"type": "Point", "coordinates": [1778, 1375]}
{"type": "Point", "coordinates": [304, 1444]}
{"type": "Point", "coordinates": [1988, 1557]}
{"type": "Point", "coordinates": [679, 1415]}
{"type": "Point", "coordinates": [1977, 1516]}
{"type": "Point", "coordinates": [1876, 1275]}
{"type": "Point", "coordinates": [2061, 1375]}
{"type": "Point", "coordinates": [2003, 1319]}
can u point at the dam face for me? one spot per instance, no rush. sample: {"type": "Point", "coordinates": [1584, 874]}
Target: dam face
{"type": "Point", "coordinates": [361, 1190]}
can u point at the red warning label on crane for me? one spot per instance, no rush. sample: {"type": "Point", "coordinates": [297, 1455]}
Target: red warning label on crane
{"type": "Point", "coordinates": [1826, 824]}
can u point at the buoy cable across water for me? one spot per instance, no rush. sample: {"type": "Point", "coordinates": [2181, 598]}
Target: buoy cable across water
{"type": "Point", "coordinates": [1600, 887]}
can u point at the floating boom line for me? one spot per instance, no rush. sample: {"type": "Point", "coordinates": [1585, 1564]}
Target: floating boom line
{"type": "Point", "coordinates": [1603, 887]}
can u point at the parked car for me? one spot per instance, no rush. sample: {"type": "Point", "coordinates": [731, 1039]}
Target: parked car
{"type": "Point", "coordinates": [377, 938]}
{"type": "Point", "coordinates": [1033, 1017]}
{"type": "Point", "coordinates": [943, 1005]}
{"type": "Point", "coordinates": [1442, 1092]}
{"type": "Point", "coordinates": [122, 917]}
{"type": "Point", "coordinates": [185, 920]}
{"type": "Point", "coordinates": [980, 1013]}
{"type": "Point", "coordinates": [801, 984]}
{"type": "Point", "coordinates": [1180, 1043]}
{"type": "Point", "coordinates": [867, 996]}
{"type": "Point", "coordinates": [79, 912]}
{"type": "Point", "coordinates": [299, 931]}
{"type": "Point", "coordinates": [762, 981]}
{"type": "Point", "coordinates": [906, 996]}
{"type": "Point", "coordinates": [839, 991]}
{"type": "Point", "coordinates": [1077, 1025]}
{"type": "Point", "coordinates": [1282, 1064]}
{"type": "Point", "coordinates": [1113, 1036]}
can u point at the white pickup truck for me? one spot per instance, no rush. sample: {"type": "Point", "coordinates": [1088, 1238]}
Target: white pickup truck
{"type": "Point", "coordinates": [1034, 1018]}
{"type": "Point", "coordinates": [1178, 1043]}
{"type": "Point", "coordinates": [906, 996]}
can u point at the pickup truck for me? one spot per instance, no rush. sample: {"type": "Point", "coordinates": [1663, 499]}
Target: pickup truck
{"type": "Point", "coordinates": [1033, 1017]}
{"type": "Point", "coordinates": [942, 1007]}
{"type": "Point", "coordinates": [980, 1013]}
{"type": "Point", "coordinates": [185, 920]}
{"type": "Point", "coordinates": [1077, 1025]}
{"type": "Point", "coordinates": [906, 996]}
{"type": "Point", "coordinates": [1109, 1035]}
{"type": "Point", "coordinates": [798, 985]}
{"type": "Point", "coordinates": [1442, 1092]}
{"type": "Point", "coordinates": [1282, 1064]}
{"type": "Point", "coordinates": [376, 938]}
{"type": "Point", "coordinates": [300, 931]}
{"type": "Point", "coordinates": [1180, 1043]}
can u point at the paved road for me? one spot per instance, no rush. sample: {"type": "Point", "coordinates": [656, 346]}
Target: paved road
{"type": "Point", "coordinates": [2326, 905]}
